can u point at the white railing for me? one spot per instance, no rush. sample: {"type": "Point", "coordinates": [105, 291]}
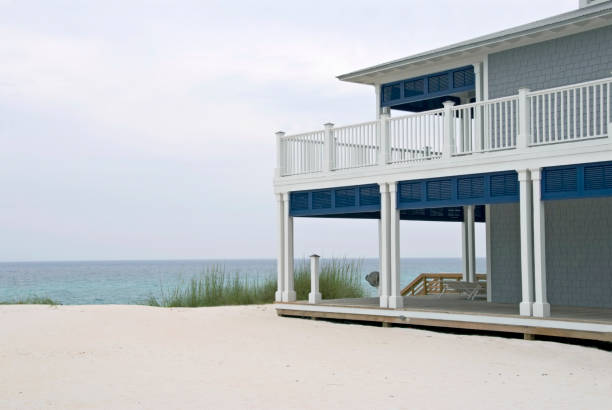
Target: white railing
{"type": "Point", "coordinates": [416, 137]}
{"type": "Point", "coordinates": [572, 113]}
{"type": "Point", "coordinates": [485, 126]}
{"type": "Point", "coordinates": [356, 145]}
{"type": "Point", "coordinates": [301, 154]}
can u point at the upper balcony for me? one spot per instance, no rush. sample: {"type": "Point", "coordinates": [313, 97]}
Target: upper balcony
{"type": "Point", "coordinates": [577, 112]}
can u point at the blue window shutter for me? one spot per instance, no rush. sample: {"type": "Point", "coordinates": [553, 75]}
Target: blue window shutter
{"type": "Point", "coordinates": [321, 199]}
{"type": "Point", "coordinates": [561, 180]}
{"type": "Point", "coordinates": [440, 190]}
{"type": "Point", "coordinates": [369, 195]}
{"type": "Point", "coordinates": [598, 177]}
{"type": "Point", "coordinates": [472, 187]}
{"type": "Point", "coordinates": [298, 201]}
{"type": "Point", "coordinates": [410, 192]}
{"type": "Point", "coordinates": [345, 197]}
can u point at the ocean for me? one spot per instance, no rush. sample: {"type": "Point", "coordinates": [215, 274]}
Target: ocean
{"type": "Point", "coordinates": [134, 282]}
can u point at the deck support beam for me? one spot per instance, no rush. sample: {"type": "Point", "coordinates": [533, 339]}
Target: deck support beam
{"type": "Point", "coordinates": [526, 305]}
{"type": "Point", "coordinates": [385, 254]}
{"type": "Point", "coordinates": [280, 261]}
{"type": "Point", "coordinates": [489, 249]}
{"type": "Point", "coordinates": [288, 292]}
{"type": "Point", "coordinates": [541, 307]}
{"type": "Point", "coordinates": [395, 298]}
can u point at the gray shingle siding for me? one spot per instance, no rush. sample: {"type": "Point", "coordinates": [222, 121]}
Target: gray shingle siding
{"type": "Point", "coordinates": [567, 60]}
{"type": "Point", "coordinates": [578, 252]}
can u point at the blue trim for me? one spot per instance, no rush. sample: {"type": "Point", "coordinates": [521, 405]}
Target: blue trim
{"type": "Point", "coordinates": [475, 189]}
{"type": "Point", "coordinates": [588, 180]}
{"type": "Point", "coordinates": [426, 93]}
{"type": "Point", "coordinates": [297, 208]}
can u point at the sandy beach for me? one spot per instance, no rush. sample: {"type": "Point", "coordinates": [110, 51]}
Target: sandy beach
{"type": "Point", "coordinates": [137, 357]}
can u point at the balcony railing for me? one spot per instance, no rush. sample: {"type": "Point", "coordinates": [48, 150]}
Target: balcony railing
{"type": "Point", "coordinates": [571, 113]}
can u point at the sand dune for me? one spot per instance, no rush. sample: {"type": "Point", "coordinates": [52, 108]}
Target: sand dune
{"type": "Point", "coordinates": [136, 357]}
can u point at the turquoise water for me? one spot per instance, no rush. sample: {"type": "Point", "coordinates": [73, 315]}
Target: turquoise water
{"type": "Point", "coordinates": [133, 282]}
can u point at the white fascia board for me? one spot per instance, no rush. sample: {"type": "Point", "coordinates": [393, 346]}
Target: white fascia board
{"type": "Point", "coordinates": [596, 150]}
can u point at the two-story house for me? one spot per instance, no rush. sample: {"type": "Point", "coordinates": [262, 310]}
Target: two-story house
{"type": "Point", "coordinates": [512, 130]}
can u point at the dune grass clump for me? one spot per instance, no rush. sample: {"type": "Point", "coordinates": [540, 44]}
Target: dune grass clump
{"type": "Point", "coordinates": [31, 300]}
{"type": "Point", "coordinates": [339, 278]}
{"type": "Point", "coordinates": [214, 287]}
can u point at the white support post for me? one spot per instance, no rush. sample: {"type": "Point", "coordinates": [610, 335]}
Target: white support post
{"type": "Point", "coordinates": [380, 254]}
{"type": "Point", "coordinates": [288, 292]}
{"type": "Point", "coordinates": [478, 125]}
{"type": "Point", "coordinates": [488, 246]}
{"type": "Point", "coordinates": [385, 256]}
{"type": "Point", "coordinates": [471, 242]}
{"type": "Point", "coordinates": [523, 138]}
{"type": "Point", "coordinates": [541, 307]}
{"type": "Point", "coordinates": [396, 300]}
{"type": "Point", "coordinates": [465, 260]}
{"type": "Point", "coordinates": [385, 144]}
{"type": "Point", "coordinates": [314, 296]}
{"type": "Point", "coordinates": [525, 308]}
{"type": "Point", "coordinates": [280, 160]}
{"type": "Point", "coordinates": [329, 148]}
{"type": "Point", "coordinates": [280, 262]}
{"type": "Point", "coordinates": [449, 130]}
{"type": "Point", "coordinates": [377, 94]}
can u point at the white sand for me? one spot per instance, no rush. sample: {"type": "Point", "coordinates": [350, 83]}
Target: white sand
{"type": "Point", "coordinates": [124, 357]}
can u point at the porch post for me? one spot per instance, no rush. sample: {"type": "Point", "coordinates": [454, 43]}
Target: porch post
{"type": "Point", "coordinates": [541, 307]}
{"type": "Point", "coordinates": [395, 299]}
{"type": "Point", "coordinates": [449, 132]}
{"type": "Point", "coordinates": [280, 261]}
{"type": "Point", "coordinates": [329, 148]}
{"type": "Point", "coordinates": [523, 138]}
{"type": "Point", "coordinates": [525, 307]}
{"type": "Point", "coordinates": [280, 158]}
{"type": "Point", "coordinates": [314, 296]}
{"type": "Point", "coordinates": [488, 246]}
{"type": "Point", "coordinates": [288, 292]}
{"type": "Point", "coordinates": [471, 243]}
{"type": "Point", "coordinates": [385, 263]}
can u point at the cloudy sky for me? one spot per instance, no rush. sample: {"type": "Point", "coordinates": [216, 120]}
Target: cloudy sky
{"type": "Point", "coordinates": [144, 130]}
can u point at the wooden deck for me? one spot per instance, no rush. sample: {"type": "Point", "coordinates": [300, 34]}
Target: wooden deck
{"type": "Point", "coordinates": [453, 311]}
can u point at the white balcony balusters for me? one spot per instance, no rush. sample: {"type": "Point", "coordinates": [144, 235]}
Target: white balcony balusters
{"type": "Point", "coordinates": [572, 113]}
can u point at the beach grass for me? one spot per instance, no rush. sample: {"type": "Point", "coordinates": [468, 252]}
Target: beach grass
{"type": "Point", "coordinates": [31, 300]}
{"type": "Point", "coordinates": [340, 278]}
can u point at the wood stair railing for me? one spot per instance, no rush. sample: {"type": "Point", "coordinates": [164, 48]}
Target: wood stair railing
{"type": "Point", "coordinates": [433, 283]}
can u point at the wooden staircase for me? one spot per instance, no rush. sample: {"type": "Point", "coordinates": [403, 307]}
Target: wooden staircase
{"type": "Point", "coordinates": [433, 283]}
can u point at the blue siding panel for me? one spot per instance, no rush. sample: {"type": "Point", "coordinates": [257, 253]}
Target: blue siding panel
{"type": "Point", "coordinates": [476, 189]}
{"type": "Point", "coordinates": [577, 181]}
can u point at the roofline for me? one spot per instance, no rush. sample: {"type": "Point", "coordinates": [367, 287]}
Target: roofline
{"type": "Point", "coordinates": [549, 23]}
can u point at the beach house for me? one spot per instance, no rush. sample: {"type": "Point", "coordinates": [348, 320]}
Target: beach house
{"type": "Point", "coordinates": [512, 130]}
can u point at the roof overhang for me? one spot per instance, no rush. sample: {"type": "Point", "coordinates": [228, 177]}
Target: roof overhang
{"type": "Point", "coordinates": [576, 21]}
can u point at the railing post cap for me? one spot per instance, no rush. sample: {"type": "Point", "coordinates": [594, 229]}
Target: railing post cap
{"type": "Point", "coordinates": [314, 255]}
{"type": "Point", "coordinates": [328, 124]}
{"type": "Point", "coordinates": [279, 133]}
{"type": "Point", "coordinates": [524, 90]}
{"type": "Point", "coordinates": [448, 103]}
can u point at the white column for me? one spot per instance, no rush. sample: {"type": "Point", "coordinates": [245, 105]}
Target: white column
{"type": "Point", "coordinates": [395, 298]}
{"type": "Point", "coordinates": [525, 307]}
{"type": "Point", "coordinates": [523, 138]}
{"type": "Point", "coordinates": [329, 148]}
{"type": "Point", "coordinates": [465, 260]}
{"type": "Point", "coordinates": [541, 307]}
{"type": "Point", "coordinates": [380, 254]}
{"type": "Point", "coordinates": [288, 292]}
{"type": "Point", "coordinates": [384, 155]}
{"type": "Point", "coordinates": [471, 242]}
{"type": "Point", "coordinates": [377, 94]}
{"type": "Point", "coordinates": [280, 262]}
{"type": "Point", "coordinates": [449, 131]}
{"type": "Point", "coordinates": [488, 246]}
{"type": "Point", "coordinates": [314, 296]}
{"type": "Point", "coordinates": [478, 123]}
{"type": "Point", "coordinates": [280, 160]}
{"type": "Point", "coordinates": [385, 256]}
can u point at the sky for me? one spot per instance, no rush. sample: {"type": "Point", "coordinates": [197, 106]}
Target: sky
{"type": "Point", "coordinates": [145, 129]}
